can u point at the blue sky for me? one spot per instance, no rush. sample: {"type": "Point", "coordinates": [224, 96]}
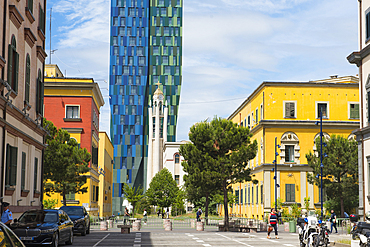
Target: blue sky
{"type": "Point", "coordinates": [229, 48]}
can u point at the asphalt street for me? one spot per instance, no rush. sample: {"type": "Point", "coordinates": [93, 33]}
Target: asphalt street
{"type": "Point", "coordinates": [183, 238]}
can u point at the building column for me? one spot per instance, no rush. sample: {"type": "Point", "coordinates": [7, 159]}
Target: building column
{"type": "Point", "coordinates": [303, 187]}
{"type": "Point", "coordinates": [156, 161]}
{"type": "Point", "coordinates": [310, 193]}
{"type": "Point", "coordinates": [165, 119]}
{"type": "Point", "coordinates": [267, 189]}
{"type": "Point", "coordinates": [149, 172]}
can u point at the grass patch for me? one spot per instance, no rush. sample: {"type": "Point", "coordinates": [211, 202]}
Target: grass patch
{"type": "Point", "coordinates": [343, 241]}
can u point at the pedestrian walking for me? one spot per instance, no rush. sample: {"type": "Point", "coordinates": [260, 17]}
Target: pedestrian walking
{"type": "Point", "coordinates": [7, 216]}
{"type": "Point", "coordinates": [273, 222]}
{"type": "Point", "coordinates": [168, 213]}
{"type": "Point", "coordinates": [333, 220]}
{"type": "Point", "coordinates": [145, 214]}
{"type": "Point", "coordinates": [126, 216]}
{"type": "Point", "coordinates": [158, 212]}
{"type": "Point", "coordinates": [199, 213]}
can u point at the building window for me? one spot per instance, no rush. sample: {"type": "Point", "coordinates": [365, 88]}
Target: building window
{"type": "Point", "coordinates": [71, 196]}
{"type": "Point", "coordinates": [35, 171]}
{"type": "Point", "coordinates": [256, 194]}
{"type": "Point", "coordinates": [323, 109]}
{"type": "Point", "coordinates": [115, 21]}
{"type": "Point", "coordinates": [177, 179]}
{"type": "Point", "coordinates": [23, 171]}
{"type": "Point", "coordinates": [249, 122]}
{"type": "Point", "coordinates": [11, 166]}
{"type": "Point", "coordinates": [115, 109]}
{"type": "Point", "coordinates": [261, 193]}
{"type": "Point", "coordinates": [122, 120]}
{"type": "Point", "coordinates": [257, 116]}
{"type": "Point", "coordinates": [289, 153]}
{"type": "Point", "coordinates": [290, 193]}
{"type": "Point", "coordinates": [354, 111]}
{"type": "Point", "coordinates": [367, 24]}
{"type": "Point", "coordinates": [72, 111]}
{"type": "Point", "coordinates": [28, 79]}
{"type": "Point", "coordinates": [41, 19]}
{"type": "Point", "coordinates": [40, 94]}
{"type": "Point", "coordinates": [249, 195]}
{"type": "Point", "coordinates": [241, 196]}
{"type": "Point", "coordinates": [94, 155]}
{"type": "Point", "coordinates": [13, 65]}
{"type": "Point", "coordinates": [289, 148]}
{"type": "Point", "coordinates": [177, 158]}
{"type": "Point", "coordinates": [289, 110]}
{"type": "Point", "coordinates": [252, 194]}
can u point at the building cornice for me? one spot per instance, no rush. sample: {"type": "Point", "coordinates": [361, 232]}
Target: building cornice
{"type": "Point", "coordinates": [15, 16]}
{"type": "Point", "coordinates": [304, 124]}
{"type": "Point", "coordinates": [336, 82]}
{"type": "Point", "coordinates": [74, 130]}
{"type": "Point", "coordinates": [58, 84]}
{"type": "Point", "coordinates": [356, 57]}
{"type": "Point", "coordinates": [282, 167]}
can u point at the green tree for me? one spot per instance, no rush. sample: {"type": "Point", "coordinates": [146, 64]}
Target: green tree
{"type": "Point", "coordinates": [50, 203]}
{"type": "Point", "coordinates": [340, 171]}
{"type": "Point", "coordinates": [225, 149]}
{"type": "Point", "coordinates": [133, 195]}
{"type": "Point", "coordinates": [178, 205]}
{"type": "Point", "coordinates": [64, 163]}
{"type": "Point", "coordinates": [199, 178]}
{"type": "Point", "coordinates": [162, 190]}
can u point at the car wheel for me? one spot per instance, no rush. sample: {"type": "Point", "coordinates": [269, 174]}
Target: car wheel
{"type": "Point", "coordinates": [88, 230]}
{"type": "Point", "coordinates": [55, 242]}
{"type": "Point", "coordinates": [83, 233]}
{"type": "Point", "coordinates": [70, 240]}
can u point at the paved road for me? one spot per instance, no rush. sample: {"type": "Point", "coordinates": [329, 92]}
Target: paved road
{"type": "Point", "coordinates": [183, 238]}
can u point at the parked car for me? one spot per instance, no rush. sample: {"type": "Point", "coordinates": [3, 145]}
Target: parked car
{"type": "Point", "coordinates": [80, 218]}
{"type": "Point", "coordinates": [46, 227]}
{"type": "Point", "coordinates": [8, 238]}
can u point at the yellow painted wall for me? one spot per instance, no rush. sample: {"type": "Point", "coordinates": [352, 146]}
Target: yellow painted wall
{"type": "Point", "coordinates": [338, 92]}
{"type": "Point", "coordinates": [106, 175]}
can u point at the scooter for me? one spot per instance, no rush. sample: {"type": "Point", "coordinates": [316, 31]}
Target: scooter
{"type": "Point", "coordinates": [360, 230]}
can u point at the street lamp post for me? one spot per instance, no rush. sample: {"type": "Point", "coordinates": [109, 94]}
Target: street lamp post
{"type": "Point", "coordinates": [275, 177]}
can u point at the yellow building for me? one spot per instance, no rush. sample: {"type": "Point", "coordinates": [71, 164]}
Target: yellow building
{"type": "Point", "coordinates": [288, 111]}
{"type": "Point", "coordinates": [74, 105]}
{"type": "Point", "coordinates": [105, 170]}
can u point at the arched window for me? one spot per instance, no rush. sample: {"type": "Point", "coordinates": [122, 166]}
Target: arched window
{"type": "Point", "coordinates": [289, 148]}
{"type": "Point", "coordinates": [28, 78]}
{"type": "Point", "coordinates": [352, 137]}
{"type": "Point", "coordinates": [39, 94]}
{"type": "Point", "coordinates": [325, 137]}
{"type": "Point", "coordinates": [177, 158]}
{"type": "Point", "coordinates": [13, 65]}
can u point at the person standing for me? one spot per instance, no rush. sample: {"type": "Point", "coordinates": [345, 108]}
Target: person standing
{"type": "Point", "coordinates": [199, 213]}
{"type": "Point", "coordinates": [168, 213]}
{"type": "Point", "coordinates": [7, 216]}
{"type": "Point", "coordinates": [333, 220]}
{"type": "Point", "coordinates": [159, 212]}
{"type": "Point", "coordinates": [273, 222]}
{"type": "Point", "coordinates": [145, 214]}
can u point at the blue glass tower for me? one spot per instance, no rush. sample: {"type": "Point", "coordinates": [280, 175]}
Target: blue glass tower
{"type": "Point", "coordinates": [145, 48]}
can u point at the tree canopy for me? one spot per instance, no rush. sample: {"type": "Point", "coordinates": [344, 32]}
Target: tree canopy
{"type": "Point", "coordinates": [133, 195]}
{"type": "Point", "coordinates": [162, 189]}
{"type": "Point", "coordinates": [219, 154]}
{"type": "Point", "coordinates": [340, 172]}
{"type": "Point", "coordinates": [64, 163]}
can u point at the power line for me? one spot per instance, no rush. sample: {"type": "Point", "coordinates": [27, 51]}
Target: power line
{"type": "Point", "coordinates": [208, 102]}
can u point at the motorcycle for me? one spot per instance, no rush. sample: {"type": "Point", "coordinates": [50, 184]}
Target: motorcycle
{"type": "Point", "coordinates": [308, 234]}
{"type": "Point", "coordinates": [360, 230]}
{"type": "Point", "coordinates": [323, 234]}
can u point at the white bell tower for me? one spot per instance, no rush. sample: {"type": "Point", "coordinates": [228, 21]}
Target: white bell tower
{"type": "Point", "coordinates": [158, 115]}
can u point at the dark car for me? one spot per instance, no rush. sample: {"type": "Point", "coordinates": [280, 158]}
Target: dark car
{"type": "Point", "coordinates": [8, 238]}
{"type": "Point", "coordinates": [46, 227]}
{"type": "Point", "coordinates": [80, 218]}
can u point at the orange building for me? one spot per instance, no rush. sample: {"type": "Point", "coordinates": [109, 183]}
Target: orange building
{"type": "Point", "coordinates": [74, 105]}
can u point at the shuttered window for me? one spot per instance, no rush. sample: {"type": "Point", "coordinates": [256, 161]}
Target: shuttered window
{"type": "Point", "coordinates": [261, 193]}
{"type": "Point", "coordinates": [13, 65]}
{"type": "Point", "coordinates": [71, 196]}
{"type": "Point", "coordinates": [35, 174]}
{"type": "Point", "coordinates": [354, 111]}
{"type": "Point", "coordinates": [39, 94]}
{"type": "Point", "coordinates": [367, 26]}
{"type": "Point", "coordinates": [30, 5]}
{"type": "Point", "coordinates": [11, 165]}
{"type": "Point", "coordinates": [256, 194]}
{"type": "Point", "coordinates": [23, 172]}
{"type": "Point", "coordinates": [289, 109]}
{"type": "Point", "coordinates": [290, 192]}
{"type": "Point", "coordinates": [241, 196]}
{"type": "Point", "coordinates": [252, 195]}
{"type": "Point", "coordinates": [41, 19]}
{"type": "Point", "coordinates": [94, 156]}
{"type": "Point", "coordinates": [28, 78]}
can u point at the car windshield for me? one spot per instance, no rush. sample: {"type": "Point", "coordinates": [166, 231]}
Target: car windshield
{"type": "Point", "coordinates": [39, 216]}
{"type": "Point", "coordinates": [73, 210]}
